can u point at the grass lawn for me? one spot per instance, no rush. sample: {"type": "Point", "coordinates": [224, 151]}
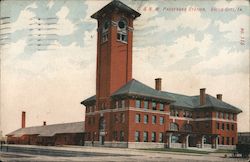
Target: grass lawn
{"type": "Point", "coordinates": [177, 150]}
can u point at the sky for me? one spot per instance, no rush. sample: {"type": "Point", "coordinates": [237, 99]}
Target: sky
{"type": "Point", "coordinates": [48, 54]}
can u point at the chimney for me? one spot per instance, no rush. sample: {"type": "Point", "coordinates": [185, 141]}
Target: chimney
{"type": "Point", "coordinates": [219, 96]}
{"type": "Point", "coordinates": [158, 84]}
{"type": "Point", "coordinates": [44, 123]}
{"type": "Point", "coordinates": [23, 119]}
{"type": "Point", "coordinates": [202, 96]}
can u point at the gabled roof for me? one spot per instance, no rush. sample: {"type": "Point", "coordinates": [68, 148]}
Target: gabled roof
{"type": "Point", "coordinates": [89, 100]}
{"type": "Point", "coordinates": [213, 102]}
{"type": "Point", "coordinates": [116, 4]}
{"type": "Point", "coordinates": [136, 88]}
{"type": "Point", "coordinates": [180, 100]}
{"type": "Point", "coordinates": [194, 102]}
{"type": "Point", "coordinates": [49, 130]}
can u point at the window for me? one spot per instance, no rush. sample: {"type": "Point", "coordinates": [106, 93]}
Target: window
{"type": "Point", "coordinates": [222, 115]}
{"type": "Point", "coordinates": [161, 137]}
{"type": "Point", "coordinates": [137, 118]}
{"type": "Point", "coordinates": [190, 114]}
{"type": "Point", "coordinates": [93, 120]}
{"type": "Point", "coordinates": [145, 119]}
{"type": "Point", "coordinates": [207, 124]}
{"type": "Point", "coordinates": [102, 106]}
{"type": "Point", "coordinates": [161, 107]}
{"type": "Point", "coordinates": [116, 118]}
{"type": "Point", "coordinates": [232, 117]}
{"type": "Point", "coordinates": [138, 103]}
{"type": "Point", "coordinates": [153, 137]}
{"type": "Point", "coordinates": [137, 136]}
{"type": "Point", "coordinates": [226, 116]}
{"type": "Point", "coordinates": [217, 114]}
{"type": "Point", "coordinates": [172, 112]}
{"type": "Point", "coordinates": [153, 105]}
{"type": "Point", "coordinates": [153, 119]}
{"type": "Point", "coordinates": [222, 140]}
{"type": "Point", "coordinates": [228, 140]}
{"type": "Point", "coordinates": [122, 31]}
{"type": "Point", "coordinates": [184, 113]}
{"type": "Point", "coordinates": [161, 120]}
{"type": "Point", "coordinates": [228, 127]}
{"type": "Point", "coordinates": [115, 135]}
{"type": "Point", "coordinates": [145, 136]}
{"type": "Point", "coordinates": [218, 125]}
{"type": "Point", "coordinates": [121, 136]}
{"type": "Point", "coordinates": [232, 140]}
{"type": "Point", "coordinates": [123, 103]}
{"type": "Point", "coordinates": [116, 104]}
{"type": "Point", "coordinates": [175, 139]}
{"type": "Point", "coordinates": [105, 31]}
{"type": "Point", "coordinates": [207, 114]}
{"type": "Point", "coordinates": [174, 127]}
{"type": "Point", "coordinates": [188, 128]}
{"type": "Point", "coordinates": [176, 113]}
{"type": "Point", "coordinates": [223, 126]}
{"type": "Point", "coordinates": [122, 117]}
{"type": "Point", "coordinates": [145, 104]}
{"type": "Point", "coordinates": [232, 126]}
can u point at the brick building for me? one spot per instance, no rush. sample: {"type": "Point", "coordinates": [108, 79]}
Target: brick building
{"type": "Point", "coordinates": [56, 134]}
{"type": "Point", "coordinates": [127, 113]}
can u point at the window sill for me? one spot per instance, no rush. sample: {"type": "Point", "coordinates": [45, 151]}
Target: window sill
{"type": "Point", "coordinates": [122, 41]}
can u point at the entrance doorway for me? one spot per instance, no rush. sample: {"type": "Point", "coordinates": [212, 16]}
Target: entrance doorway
{"type": "Point", "coordinates": [102, 139]}
{"type": "Point", "coordinates": [192, 141]}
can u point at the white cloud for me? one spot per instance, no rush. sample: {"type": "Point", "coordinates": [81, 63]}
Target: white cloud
{"type": "Point", "coordinates": [93, 6]}
{"type": "Point", "coordinates": [65, 26]}
{"type": "Point", "coordinates": [224, 62]}
{"type": "Point", "coordinates": [234, 27]}
{"type": "Point", "coordinates": [50, 3]}
{"type": "Point", "coordinates": [161, 23]}
{"type": "Point", "coordinates": [173, 53]}
{"type": "Point", "coordinates": [11, 51]}
{"type": "Point", "coordinates": [231, 4]}
{"type": "Point", "coordinates": [23, 20]}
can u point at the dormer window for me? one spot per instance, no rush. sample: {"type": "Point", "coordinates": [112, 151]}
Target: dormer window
{"type": "Point", "coordinates": [105, 28]}
{"type": "Point", "coordinates": [122, 31]}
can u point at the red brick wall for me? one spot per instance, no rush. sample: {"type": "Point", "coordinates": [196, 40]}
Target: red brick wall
{"type": "Point", "coordinates": [113, 58]}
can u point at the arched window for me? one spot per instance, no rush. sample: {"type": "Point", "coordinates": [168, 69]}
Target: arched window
{"type": "Point", "coordinates": [175, 139]}
{"type": "Point", "coordinates": [188, 128]}
{"type": "Point", "coordinates": [122, 31]}
{"type": "Point", "coordinates": [101, 124]}
{"type": "Point", "coordinates": [174, 127]}
{"type": "Point", "coordinates": [105, 28]}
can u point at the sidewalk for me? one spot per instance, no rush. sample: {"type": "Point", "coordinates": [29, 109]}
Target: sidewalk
{"type": "Point", "coordinates": [83, 153]}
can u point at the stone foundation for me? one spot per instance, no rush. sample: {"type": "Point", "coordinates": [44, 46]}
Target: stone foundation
{"type": "Point", "coordinates": [227, 147]}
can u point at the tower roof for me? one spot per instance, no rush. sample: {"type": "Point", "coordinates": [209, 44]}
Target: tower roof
{"type": "Point", "coordinates": [116, 4]}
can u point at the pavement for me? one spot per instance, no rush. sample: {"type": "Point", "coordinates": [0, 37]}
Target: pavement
{"type": "Point", "coordinates": [30, 153]}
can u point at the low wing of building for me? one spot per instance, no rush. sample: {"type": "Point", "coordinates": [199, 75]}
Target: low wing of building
{"type": "Point", "coordinates": [56, 134]}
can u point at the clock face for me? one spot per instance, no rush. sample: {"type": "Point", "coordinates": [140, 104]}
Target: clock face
{"type": "Point", "coordinates": [122, 24]}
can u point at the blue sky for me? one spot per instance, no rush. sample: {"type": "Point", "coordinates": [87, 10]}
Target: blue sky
{"type": "Point", "coordinates": [189, 50]}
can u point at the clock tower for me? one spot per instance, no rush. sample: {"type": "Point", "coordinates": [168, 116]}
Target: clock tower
{"type": "Point", "coordinates": [114, 50]}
